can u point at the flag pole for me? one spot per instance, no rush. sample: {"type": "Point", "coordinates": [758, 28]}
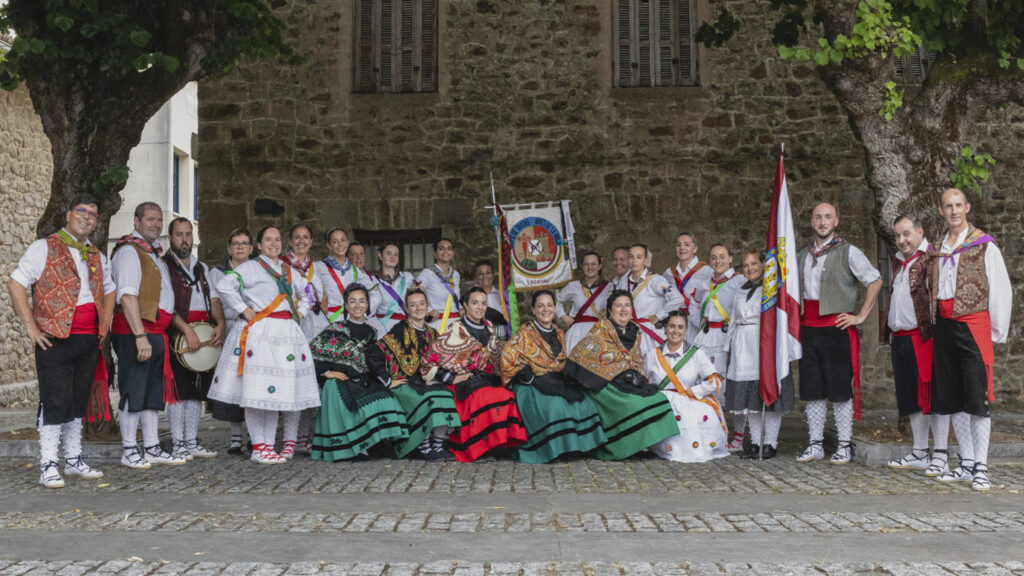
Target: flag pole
{"type": "Point", "coordinates": [494, 203]}
{"type": "Point", "coordinates": [764, 407]}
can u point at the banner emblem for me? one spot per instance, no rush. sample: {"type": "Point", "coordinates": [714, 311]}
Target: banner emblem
{"type": "Point", "coordinates": [537, 247]}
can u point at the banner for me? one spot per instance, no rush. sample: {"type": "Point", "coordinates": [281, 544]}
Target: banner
{"type": "Point", "coordinates": [780, 307]}
{"type": "Point", "coordinates": [506, 287]}
{"type": "Point", "coordinates": [540, 251]}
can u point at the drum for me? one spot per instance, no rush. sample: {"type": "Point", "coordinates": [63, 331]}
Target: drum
{"type": "Point", "coordinates": [204, 359]}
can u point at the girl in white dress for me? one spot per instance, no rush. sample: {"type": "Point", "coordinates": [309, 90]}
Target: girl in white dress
{"type": "Point", "coordinates": [440, 282]}
{"type": "Point", "coordinates": [689, 381]}
{"type": "Point", "coordinates": [582, 302]}
{"type": "Point", "coordinates": [392, 284]}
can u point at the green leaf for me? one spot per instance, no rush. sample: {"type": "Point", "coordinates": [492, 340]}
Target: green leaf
{"type": "Point", "coordinates": [140, 37]}
{"type": "Point", "coordinates": [89, 30]}
{"type": "Point", "coordinates": [20, 45]}
{"type": "Point", "coordinates": [63, 22]}
{"type": "Point", "coordinates": [37, 46]}
{"type": "Point", "coordinates": [821, 58]}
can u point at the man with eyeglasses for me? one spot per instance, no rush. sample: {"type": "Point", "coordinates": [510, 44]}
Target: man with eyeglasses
{"type": "Point", "coordinates": [72, 300]}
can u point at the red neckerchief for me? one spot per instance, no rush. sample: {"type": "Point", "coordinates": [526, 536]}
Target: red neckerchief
{"type": "Point", "coordinates": [141, 243]}
{"type": "Point", "coordinates": [829, 246]}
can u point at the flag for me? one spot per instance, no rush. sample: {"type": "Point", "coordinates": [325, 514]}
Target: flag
{"type": "Point", "coordinates": [539, 253]}
{"type": "Point", "coordinates": [780, 308]}
{"type": "Point", "coordinates": [506, 286]}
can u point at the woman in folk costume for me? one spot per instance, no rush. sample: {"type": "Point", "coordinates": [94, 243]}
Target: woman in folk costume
{"type": "Point", "coordinates": [239, 251]}
{"type": "Point", "coordinates": [608, 362]}
{"type": "Point", "coordinates": [742, 390]}
{"type": "Point", "coordinates": [440, 282]}
{"type": "Point", "coordinates": [297, 256]}
{"type": "Point", "coordinates": [653, 297]}
{"type": "Point", "coordinates": [465, 357]}
{"type": "Point", "coordinates": [265, 366]}
{"type": "Point", "coordinates": [558, 416]}
{"type": "Point", "coordinates": [714, 318]}
{"type": "Point", "coordinates": [483, 276]}
{"type": "Point", "coordinates": [393, 285]}
{"type": "Point", "coordinates": [357, 411]}
{"type": "Point", "coordinates": [689, 380]}
{"type": "Point", "coordinates": [429, 410]}
{"type": "Point", "coordinates": [582, 302]}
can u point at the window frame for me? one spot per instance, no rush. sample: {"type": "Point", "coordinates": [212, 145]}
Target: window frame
{"type": "Point", "coordinates": [370, 53]}
{"type": "Point", "coordinates": [654, 44]}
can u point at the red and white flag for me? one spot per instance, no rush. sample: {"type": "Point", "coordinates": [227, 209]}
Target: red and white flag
{"type": "Point", "coordinates": [780, 304]}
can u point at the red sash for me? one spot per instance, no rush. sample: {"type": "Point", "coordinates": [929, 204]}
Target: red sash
{"type": "Point", "coordinates": [590, 301]}
{"type": "Point", "coordinates": [641, 321]}
{"type": "Point", "coordinates": [584, 319]}
{"type": "Point", "coordinates": [716, 325]}
{"type": "Point", "coordinates": [980, 325]}
{"type": "Point", "coordinates": [923, 353]}
{"type": "Point", "coordinates": [198, 316]}
{"type": "Point", "coordinates": [681, 282]}
{"type": "Point", "coordinates": [813, 320]}
{"type": "Point", "coordinates": [282, 315]}
{"type": "Point", "coordinates": [337, 281]}
{"type": "Point", "coordinates": [163, 320]}
{"type": "Point", "coordinates": [396, 316]}
{"type": "Point", "coordinates": [86, 322]}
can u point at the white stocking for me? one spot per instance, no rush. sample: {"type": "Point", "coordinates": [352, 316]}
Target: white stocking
{"type": "Point", "coordinates": [772, 424]}
{"type": "Point", "coordinates": [270, 426]}
{"type": "Point", "coordinates": [72, 433]}
{"type": "Point", "coordinates": [176, 415]}
{"type": "Point", "coordinates": [919, 428]}
{"type": "Point", "coordinates": [816, 412]}
{"type": "Point", "coordinates": [754, 419]}
{"type": "Point", "coordinates": [254, 422]}
{"type": "Point", "coordinates": [843, 413]}
{"type": "Point", "coordinates": [150, 421]}
{"type": "Point", "coordinates": [193, 410]}
{"type": "Point", "coordinates": [49, 440]}
{"type": "Point", "coordinates": [981, 429]}
{"type": "Point", "coordinates": [129, 428]}
{"type": "Point", "coordinates": [290, 425]}
{"type": "Point", "coordinates": [739, 423]}
{"type": "Point", "coordinates": [964, 439]}
{"type": "Point", "coordinates": [940, 430]}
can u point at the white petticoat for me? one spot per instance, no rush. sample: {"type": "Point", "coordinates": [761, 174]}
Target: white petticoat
{"type": "Point", "coordinates": [279, 373]}
{"type": "Point", "coordinates": [701, 437]}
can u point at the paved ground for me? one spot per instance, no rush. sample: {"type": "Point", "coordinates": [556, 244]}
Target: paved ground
{"type": "Point", "coordinates": [645, 516]}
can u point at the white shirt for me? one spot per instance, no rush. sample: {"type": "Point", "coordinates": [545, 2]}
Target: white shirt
{"type": "Point", "coordinates": [33, 262]}
{"type": "Point", "coordinates": [348, 275]}
{"type": "Point", "coordinates": [573, 296]}
{"type": "Point", "coordinates": [657, 298]}
{"type": "Point", "coordinates": [859, 265]}
{"type": "Point", "coordinates": [725, 296]}
{"type": "Point", "coordinates": [386, 299]}
{"type": "Point", "coordinates": [197, 302]}
{"type": "Point", "coordinates": [901, 304]}
{"type": "Point", "coordinates": [127, 272]}
{"type": "Point", "coordinates": [744, 340]}
{"type": "Point", "coordinates": [696, 286]}
{"type": "Point", "coordinates": [1000, 292]}
{"type": "Point", "coordinates": [258, 289]}
{"type": "Point", "coordinates": [434, 287]}
{"type": "Point", "coordinates": [693, 375]}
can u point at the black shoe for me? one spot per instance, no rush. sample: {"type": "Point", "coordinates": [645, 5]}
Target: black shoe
{"type": "Point", "coordinates": [770, 452]}
{"type": "Point", "coordinates": [431, 456]}
{"type": "Point", "coordinates": [751, 452]}
{"type": "Point", "coordinates": [236, 450]}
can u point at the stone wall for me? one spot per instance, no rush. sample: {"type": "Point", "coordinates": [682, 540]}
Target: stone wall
{"type": "Point", "coordinates": [26, 168]}
{"type": "Point", "coordinates": [525, 92]}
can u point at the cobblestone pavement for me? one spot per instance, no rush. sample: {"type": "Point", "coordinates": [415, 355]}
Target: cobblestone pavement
{"type": "Point", "coordinates": [227, 516]}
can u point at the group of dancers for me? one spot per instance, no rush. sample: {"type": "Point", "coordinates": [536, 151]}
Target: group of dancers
{"type": "Point", "coordinates": [348, 360]}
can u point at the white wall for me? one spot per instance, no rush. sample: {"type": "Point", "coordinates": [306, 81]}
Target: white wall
{"type": "Point", "coordinates": [169, 133]}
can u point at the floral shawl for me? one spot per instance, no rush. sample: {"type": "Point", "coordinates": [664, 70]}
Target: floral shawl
{"type": "Point", "coordinates": [403, 347]}
{"type": "Point", "coordinates": [600, 356]}
{"type": "Point", "coordinates": [528, 348]}
{"type": "Point", "coordinates": [458, 352]}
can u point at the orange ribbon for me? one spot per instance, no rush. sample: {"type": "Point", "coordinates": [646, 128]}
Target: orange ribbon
{"type": "Point", "coordinates": [671, 374]}
{"type": "Point", "coordinates": [245, 331]}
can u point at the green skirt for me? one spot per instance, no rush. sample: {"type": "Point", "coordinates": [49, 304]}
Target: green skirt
{"type": "Point", "coordinates": [555, 426]}
{"type": "Point", "coordinates": [631, 422]}
{"type": "Point", "coordinates": [343, 433]}
{"type": "Point", "coordinates": [424, 412]}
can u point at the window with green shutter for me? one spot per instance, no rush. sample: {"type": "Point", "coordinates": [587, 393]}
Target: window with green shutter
{"type": "Point", "coordinates": [395, 46]}
{"type": "Point", "coordinates": [653, 43]}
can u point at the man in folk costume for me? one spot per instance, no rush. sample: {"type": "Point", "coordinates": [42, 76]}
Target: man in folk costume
{"type": "Point", "coordinates": [195, 300]}
{"type": "Point", "coordinates": [830, 269]}
{"type": "Point", "coordinates": [713, 316]}
{"type": "Point", "coordinates": [690, 275]}
{"type": "Point", "coordinates": [145, 307]}
{"type": "Point", "coordinates": [72, 298]}
{"type": "Point", "coordinates": [336, 272]}
{"type": "Point", "coordinates": [653, 297]}
{"type": "Point", "coordinates": [971, 304]}
{"type": "Point", "coordinates": [911, 325]}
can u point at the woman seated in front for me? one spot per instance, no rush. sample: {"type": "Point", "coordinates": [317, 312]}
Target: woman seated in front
{"type": "Point", "coordinates": [688, 379]}
{"type": "Point", "coordinates": [466, 359]}
{"type": "Point", "coordinates": [356, 408]}
{"type": "Point", "coordinates": [430, 410]}
{"type": "Point", "coordinates": [608, 363]}
{"type": "Point", "coordinates": [558, 417]}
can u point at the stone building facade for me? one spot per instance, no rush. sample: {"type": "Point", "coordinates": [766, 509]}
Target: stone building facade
{"type": "Point", "coordinates": [525, 90]}
{"type": "Point", "coordinates": [26, 168]}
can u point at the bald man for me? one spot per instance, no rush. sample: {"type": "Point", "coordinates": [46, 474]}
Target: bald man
{"type": "Point", "coordinates": [830, 269]}
{"type": "Point", "coordinates": [971, 304]}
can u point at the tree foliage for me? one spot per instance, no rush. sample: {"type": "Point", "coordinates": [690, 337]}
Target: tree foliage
{"type": "Point", "coordinates": [98, 70]}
